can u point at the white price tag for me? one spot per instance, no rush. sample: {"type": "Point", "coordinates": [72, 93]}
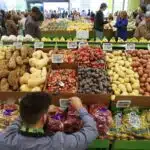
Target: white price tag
{"type": "Point", "coordinates": [134, 120]}
{"type": "Point", "coordinates": [64, 103]}
{"type": "Point", "coordinates": [18, 45]}
{"type": "Point", "coordinates": [107, 46]}
{"type": "Point", "coordinates": [57, 58]}
{"type": "Point", "coordinates": [130, 46]}
{"type": "Point", "coordinates": [38, 45]}
{"type": "Point", "coordinates": [72, 45]}
{"type": "Point", "coordinates": [123, 104]}
{"type": "Point", "coordinates": [148, 47]}
{"type": "Point", "coordinates": [82, 44]}
{"type": "Point", "coordinates": [82, 34]}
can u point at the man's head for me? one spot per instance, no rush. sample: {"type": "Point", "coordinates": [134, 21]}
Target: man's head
{"type": "Point", "coordinates": [34, 108]}
{"type": "Point", "coordinates": [103, 6]}
{"type": "Point", "coordinates": [36, 14]}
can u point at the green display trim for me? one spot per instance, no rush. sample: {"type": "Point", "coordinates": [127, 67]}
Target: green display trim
{"type": "Point", "coordinates": [52, 44]}
{"type": "Point", "coordinates": [99, 144]}
{"type": "Point", "coordinates": [131, 145]}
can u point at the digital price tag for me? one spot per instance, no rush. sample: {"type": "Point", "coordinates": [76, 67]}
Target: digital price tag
{"type": "Point", "coordinates": [18, 45]}
{"type": "Point", "coordinates": [57, 58]}
{"type": "Point", "coordinates": [38, 45]}
{"type": "Point", "coordinates": [83, 44]}
{"type": "Point", "coordinates": [123, 104]}
{"type": "Point", "coordinates": [130, 46]}
{"type": "Point", "coordinates": [107, 46]}
{"type": "Point", "coordinates": [82, 34]}
{"type": "Point", "coordinates": [148, 47]}
{"type": "Point", "coordinates": [72, 45]}
{"type": "Point", "coordinates": [64, 103]}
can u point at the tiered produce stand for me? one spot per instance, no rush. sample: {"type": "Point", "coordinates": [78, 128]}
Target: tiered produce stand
{"type": "Point", "coordinates": [105, 99]}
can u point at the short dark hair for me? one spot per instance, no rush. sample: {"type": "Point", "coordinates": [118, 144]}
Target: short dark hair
{"type": "Point", "coordinates": [36, 10]}
{"type": "Point", "coordinates": [33, 106]}
{"type": "Point", "coordinates": [103, 5]}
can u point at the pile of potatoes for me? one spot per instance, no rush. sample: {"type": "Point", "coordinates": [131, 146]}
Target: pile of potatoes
{"type": "Point", "coordinates": [123, 79]}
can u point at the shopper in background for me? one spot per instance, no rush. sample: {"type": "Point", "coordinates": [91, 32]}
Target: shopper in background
{"type": "Point", "coordinates": [141, 14]}
{"type": "Point", "coordinates": [99, 21]}
{"type": "Point", "coordinates": [92, 17]}
{"type": "Point", "coordinates": [2, 23]}
{"type": "Point", "coordinates": [22, 23]}
{"type": "Point", "coordinates": [121, 25]}
{"type": "Point", "coordinates": [28, 133]}
{"type": "Point", "coordinates": [143, 30]}
{"type": "Point", "coordinates": [33, 22]}
{"type": "Point", "coordinates": [11, 27]}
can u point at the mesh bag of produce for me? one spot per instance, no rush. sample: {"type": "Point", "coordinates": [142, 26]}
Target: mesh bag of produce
{"type": "Point", "coordinates": [55, 121]}
{"type": "Point", "coordinates": [134, 123]}
{"type": "Point", "coordinates": [103, 118]}
{"type": "Point", "coordinates": [73, 123]}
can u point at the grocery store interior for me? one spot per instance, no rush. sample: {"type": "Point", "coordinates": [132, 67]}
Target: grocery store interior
{"type": "Point", "coordinates": [75, 74]}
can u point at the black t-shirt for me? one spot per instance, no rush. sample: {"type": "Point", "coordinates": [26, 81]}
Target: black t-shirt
{"type": "Point", "coordinates": [99, 21]}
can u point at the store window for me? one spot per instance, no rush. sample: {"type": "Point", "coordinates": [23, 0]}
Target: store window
{"type": "Point", "coordinates": [119, 5]}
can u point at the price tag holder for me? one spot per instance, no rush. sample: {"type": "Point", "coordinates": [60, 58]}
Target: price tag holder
{"type": "Point", "coordinates": [64, 103]}
{"type": "Point", "coordinates": [130, 46]}
{"type": "Point", "coordinates": [82, 44]}
{"type": "Point", "coordinates": [72, 45]}
{"type": "Point", "coordinates": [38, 45]}
{"type": "Point", "coordinates": [148, 47]}
{"type": "Point", "coordinates": [107, 46]}
{"type": "Point", "coordinates": [57, 58]}
{"type": "Point", "coordinates": [123, 104]}
{"type": "Point", "coordinates": [18, 45]}
{"type": "Point", "coordinates": [82, 34]}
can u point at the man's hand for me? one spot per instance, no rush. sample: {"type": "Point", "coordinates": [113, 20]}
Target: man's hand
{"type": "Point", "coordinates": [76, 103]}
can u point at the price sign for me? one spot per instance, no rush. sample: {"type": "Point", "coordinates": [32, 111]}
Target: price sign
{"type": "Point", "coordinates": [72, 45]}
{"type": "Point", "coordinates": [82, 34]}
{"type": "Point", "coordinates": [130, 46]}
{"type": "Point", "coordinates": [64, 103]}
{"type": "Point", "coordinates": [38, 45]}
{"type": "Point", "coordinates": [18, 45]}
{"type": "Point", "coordinates": [107, 46]}
{"type": "Point", "coordinates": [118, 120]}
{"type": "Point", "coordinates": [148, 47]}
{"type": "Point", "coordinates": [123, 104]}
{"type": "Point", "coordinates": [57, 58]}
{"type": "Point", "coordinates": [82, 44]}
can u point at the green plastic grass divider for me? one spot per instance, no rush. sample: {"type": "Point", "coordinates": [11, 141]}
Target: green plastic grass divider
{"type": "Point", "coordinates": [99, 144]}
{"type": "Point", "coordinates": [131, 145]}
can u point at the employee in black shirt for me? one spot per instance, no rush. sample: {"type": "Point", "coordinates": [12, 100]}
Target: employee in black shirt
{"type": "Point", "coordinates": [99, 21]}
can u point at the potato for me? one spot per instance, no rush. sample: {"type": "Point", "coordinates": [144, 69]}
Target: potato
{"type": "Point", "coordinates": [129, 87]}
{"type": "Point", "coordinates": [136, 86]}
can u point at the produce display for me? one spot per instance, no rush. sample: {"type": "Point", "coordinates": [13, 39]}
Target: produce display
{"type": "Point", "coordinates": [141, 65]}
{"type": "Point", "coordinates": [19, 38]}
{"type": "Point", "coordinates": [93, 81]}
{"type": "Point", "coordinates": [62, 80]}
{"type": "Point", "coordinates": [90, 57]}
{"type": "Point", "coordinates": [13, 64]}
{"type": "Point", "coordinates": [65, 25]}
{"type": "Point", "coordinates": [35, 79]}
{"type": "Point", "coordinates": [123, 79]}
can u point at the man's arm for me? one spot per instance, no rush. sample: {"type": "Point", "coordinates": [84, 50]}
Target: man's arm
{"type": "Point", "coordinates": [81, 139]}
